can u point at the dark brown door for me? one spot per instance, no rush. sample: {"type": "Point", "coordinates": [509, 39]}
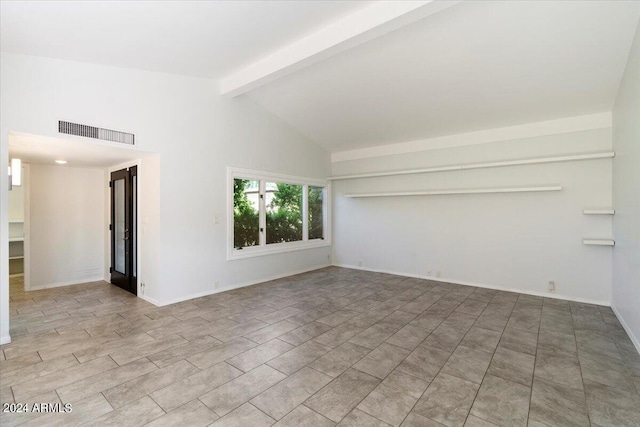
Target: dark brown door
{"type": "Point", "coordinates": [123, 228]}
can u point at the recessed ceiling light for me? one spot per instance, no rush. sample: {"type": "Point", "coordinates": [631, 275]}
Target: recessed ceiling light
{"type": "Point", "coordinates": [61, 162]}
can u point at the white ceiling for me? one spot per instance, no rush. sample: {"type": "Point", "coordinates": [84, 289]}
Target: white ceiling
{"type": "Point", "coordinates": [476, 65]}
{"type": "Point", "coordinates": [77, 152]}
{"type": "Point", "coordinates": [198, 38]}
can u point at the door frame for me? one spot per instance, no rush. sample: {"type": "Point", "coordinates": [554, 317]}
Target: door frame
{"type": "Point", "coordinates": [107, 252]}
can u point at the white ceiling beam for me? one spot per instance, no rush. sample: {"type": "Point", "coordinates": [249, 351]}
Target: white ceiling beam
{"type": "Point", "coordinates": [366, 24]}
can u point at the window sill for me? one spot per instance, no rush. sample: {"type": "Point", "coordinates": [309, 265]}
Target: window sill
{"type": "Point", "coordinates": [276, 248]}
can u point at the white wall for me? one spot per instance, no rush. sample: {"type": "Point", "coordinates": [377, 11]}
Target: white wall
{"type": "Point", "coordinates": [626, 196]}
{"type": "Point", "coordinates": [510, 241]}
{"type": "Point", "coordinates": [197, 134]}
{"type": "Point", "coordinates": [66, 225]}
{"type": "Point", "coordinates": [16, 200]}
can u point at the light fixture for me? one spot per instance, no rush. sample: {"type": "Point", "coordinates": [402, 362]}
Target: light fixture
{"type": "Point", "coordinates": [61, 162]}
{"type": "Point", "coordinates": [16, 172]}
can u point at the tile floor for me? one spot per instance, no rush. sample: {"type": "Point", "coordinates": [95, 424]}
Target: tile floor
{"type": "Point", "coordinates": [334, 346]}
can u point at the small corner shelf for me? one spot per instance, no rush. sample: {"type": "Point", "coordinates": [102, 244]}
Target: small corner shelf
{"type": "Point", "coordinates": [16, 239]}
{"type": "Point", "coordinates": [599, 212]}
{"type": "Point", "coordinates": [598, 242]}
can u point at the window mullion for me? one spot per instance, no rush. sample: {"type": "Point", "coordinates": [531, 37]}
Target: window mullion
{"type": "Point", "coordinates": [262, 216]}
{"type": "Point", "coordinates": [305, 213]}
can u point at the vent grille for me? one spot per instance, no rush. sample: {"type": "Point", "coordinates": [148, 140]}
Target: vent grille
{"type": "Point", "coordinates": [95, 132]}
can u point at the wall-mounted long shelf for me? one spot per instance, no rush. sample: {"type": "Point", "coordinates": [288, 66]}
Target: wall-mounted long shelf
{"type": "Point", "coordinates": [599, 212]}
{"type": "Point", "coordinates": [599, 242]}
{"type": "Point", "coordinates": [557, 159]}
{"type": "Point", "coordinates": [460, 191]}
{"type": "Point", "coordinates": [16, 239]}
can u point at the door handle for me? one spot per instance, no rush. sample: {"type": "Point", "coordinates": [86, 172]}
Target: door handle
{"type": "Point", "coordinates": [125, 238]}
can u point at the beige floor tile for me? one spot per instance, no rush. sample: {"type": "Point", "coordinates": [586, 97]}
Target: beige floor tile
{"type": "Point", "coordinates": [299, 357]}
{"type": "Point", "coordinates": [343, 394]}
{"type": "Point", "coordinates": [29, 389]}
{"type": "Point", "coordinates": [105, 380]}
{"type": "Point", "coordinates": [303, 416]}
{"type": "Point", "coordinates": [137, 413]}
{"type": "Point", "coordinates": [340, 359]}
{"type": "Point", "coordinates": [502, 402]}
{"type": "Point", "coordinates": [221, 352]}
{"type": "Point", "coordinates": [447, 400]}
{"type": "Point", "coordinates": [192, 414]}
{"type": "Point", "coordinates": [32, 371]}
{"type": "Point", "coordinates": [358, 418]}
{"type": "Point", "coordinates": [245, 415]}
{"type": "Point", "coordinates": [283, 397]}
{"type": "Point", "coordinates": [83, 411]}
{"type": "Point", "coordinates": [256, 356]}
{"type": "Point", "coordinates": [381, 361]}
{"type": "Point", "coordinates": [270, 332]}
{"type": "Point", "coordinates": [127, 355]}
{"type": "Point", "coordinates": [229, 396]}
{"type": "Point", "coordinates": [187, 389]}
{"type": "Point", "coordinates": [140, 386]}
{"type": "Point", "coordinates": [182, 351]}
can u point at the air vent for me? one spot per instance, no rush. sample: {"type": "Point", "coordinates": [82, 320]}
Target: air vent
{"type": "Point", "coordinates": [96, 133]}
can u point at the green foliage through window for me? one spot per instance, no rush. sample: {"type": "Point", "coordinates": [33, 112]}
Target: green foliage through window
{"type": "Point", "coordinates": [246, 221]}
{"type": "Point", "coordinates": [283, 212]}
{"type": "Point", "coordinates": [316, 213]}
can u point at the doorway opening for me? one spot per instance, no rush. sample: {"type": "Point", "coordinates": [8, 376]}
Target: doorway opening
{"type": "Point", "coordinates": [124, 214]}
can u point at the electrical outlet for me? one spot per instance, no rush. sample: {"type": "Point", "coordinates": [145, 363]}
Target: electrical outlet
{"type": "Point", "coordinates": [216, 219]}
{"type": "Point", "coordinates": [216, 285]}
{"type": "Point", "coordinates": [438, 273]}
{"type": "Point", "coordinates": [552, 287]}
{"type": "Point", "coordinates": [359, 263]}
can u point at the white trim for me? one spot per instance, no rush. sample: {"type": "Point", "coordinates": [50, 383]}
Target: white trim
{"type": "Point", "coordinates": [5, 340]}
{"type": "Point", "coordinates": [460, 191]}
{"type": "Point", "coordinates": [277, 248]}
{"type": "Point", "coordinates": [530, 130]}
{"type": "Point", "coordinates": [599, 211]}
{"type": "Point", "coordinates": [628, 330]}
{"type": "Point", "coordinates": [68, 283]}
{"type": "Point", "coordinates": [263, 249]}
{"type": "Point", "coordinates": [598, 242]}
{"type": "Point", "coordinates": [481, 285]}
{"type": "Point", "coordinates": [239, 285]}
{"type": "Point", "coordinates": [26, 246]}
{"type": "Point", "coordinates": [534, 161]}
{"type": "Point", "coordinates": [272, 176]}
{"type": "Point", "coordinates": [365, 24]}
{"type": "Point", "coordinates": [150, 300]}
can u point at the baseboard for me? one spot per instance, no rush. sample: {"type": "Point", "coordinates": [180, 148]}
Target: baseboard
{"type": "Point", "coordinates": [237, 286]}
{"type": "Point", "coordinates": [150, 300]}
{"type": "Point", "coordinates": [632, 337]}
{"type": "Point", "coordinates": [67, 283]}
{"type": "Point", "coordinates": [480, 285]}
{"type": "Point", "coordinates": [5, 340]}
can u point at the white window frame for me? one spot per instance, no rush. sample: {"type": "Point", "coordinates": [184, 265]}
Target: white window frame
{"type": "Point", "coordinates": [275, 248]}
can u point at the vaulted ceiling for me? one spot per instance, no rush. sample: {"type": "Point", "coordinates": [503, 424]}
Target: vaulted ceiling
{"type": "Point", "coordinates": [358, 74]}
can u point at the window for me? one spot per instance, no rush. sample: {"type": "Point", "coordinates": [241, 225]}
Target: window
{"type": "Point", "coordinates": [246, 225]}
{"type": "Point", "coordinates": [275, 213]}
